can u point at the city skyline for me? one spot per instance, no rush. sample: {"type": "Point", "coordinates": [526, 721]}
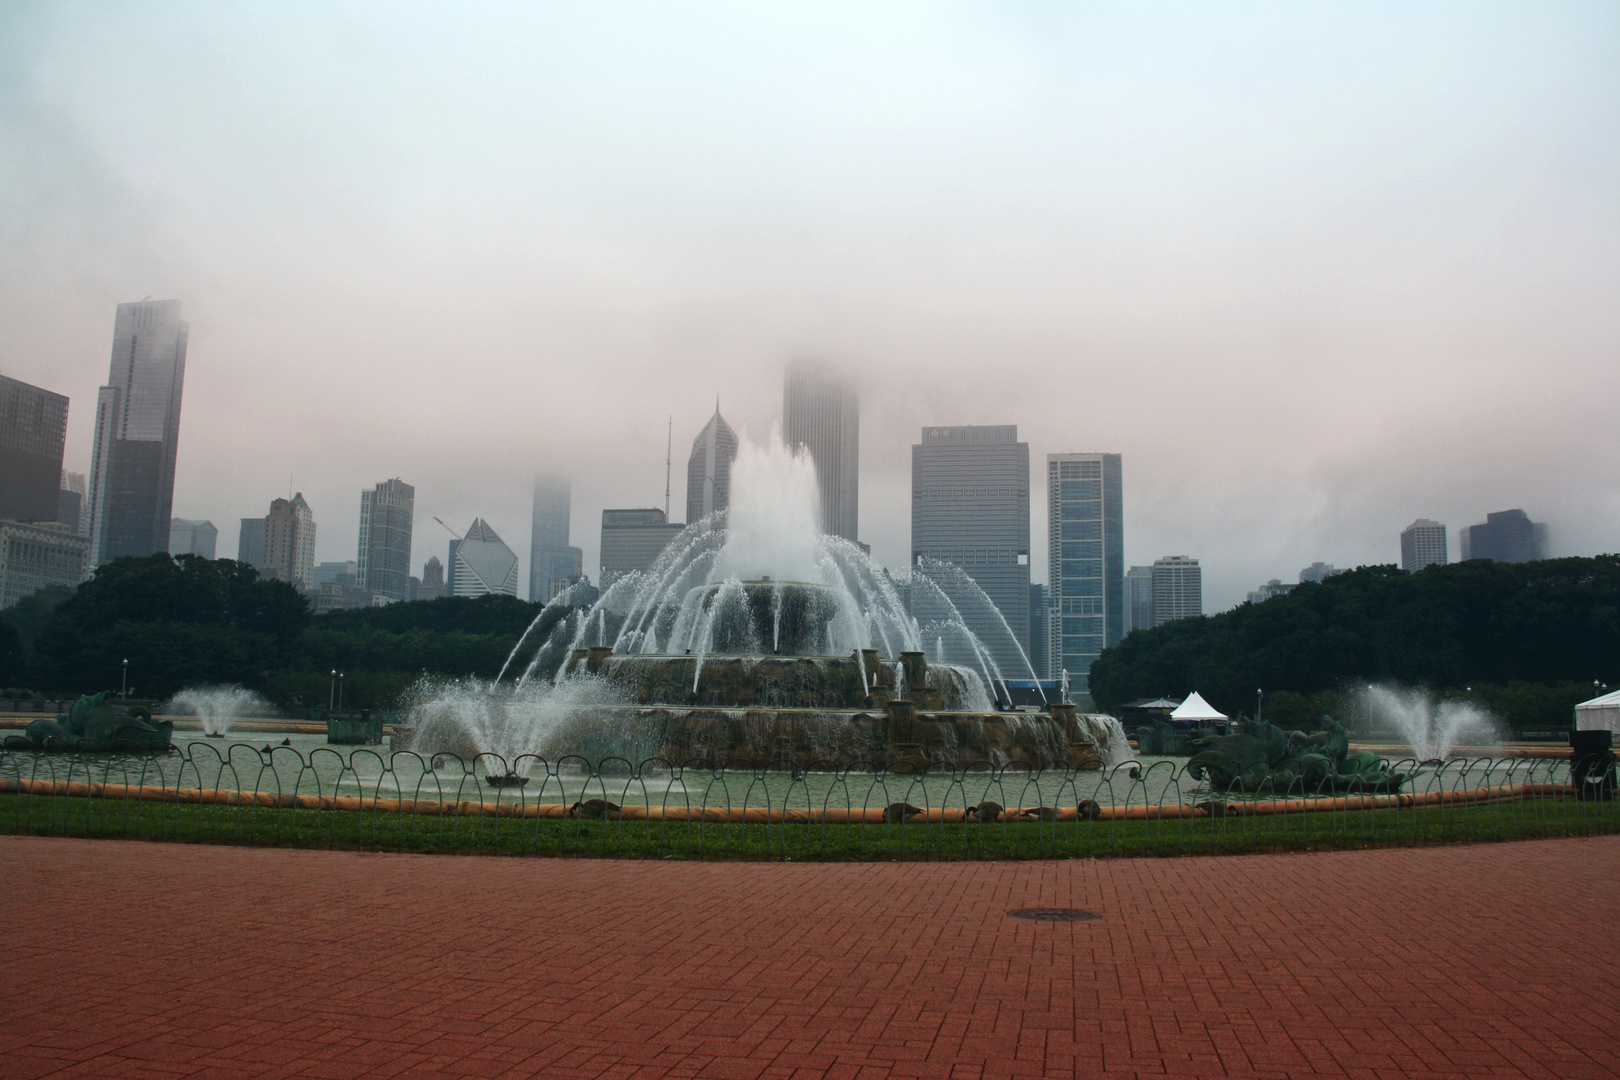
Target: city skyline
{"type": "Point", "coordinates": [551, 512]}
{"type": "Point", "coordinates": [1382, 280]}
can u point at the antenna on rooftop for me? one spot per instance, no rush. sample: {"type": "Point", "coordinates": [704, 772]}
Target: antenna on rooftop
{"type": "Point", "coordinates": [669, 446]}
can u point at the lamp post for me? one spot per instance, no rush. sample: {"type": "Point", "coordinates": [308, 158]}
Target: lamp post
{"type": "Point", "coordinates": [123, 684]}
{"type": "Point", "coordinates": [1259, 706]}
{"type": "Point", "coordinates": [340, 689]}
{"type": "Point", "coordinates": [331, 691]}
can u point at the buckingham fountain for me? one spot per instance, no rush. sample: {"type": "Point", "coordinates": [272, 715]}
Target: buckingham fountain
{"type": "Point", "coordinates": [755, 638]}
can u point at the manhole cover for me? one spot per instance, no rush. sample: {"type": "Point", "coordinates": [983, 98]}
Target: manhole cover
{"type": "Point", "coordinates": [1054, 914]}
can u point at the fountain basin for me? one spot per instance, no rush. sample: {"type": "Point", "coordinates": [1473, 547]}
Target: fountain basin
{"type": "Point", "coordinates": [896, 736]}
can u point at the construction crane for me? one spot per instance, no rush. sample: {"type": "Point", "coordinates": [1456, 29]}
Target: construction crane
{"type": "Point", "coordinates": [447, 528]}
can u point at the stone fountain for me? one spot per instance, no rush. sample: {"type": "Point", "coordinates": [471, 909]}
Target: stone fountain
{"type": "Point", "coordinates": [754, 638]}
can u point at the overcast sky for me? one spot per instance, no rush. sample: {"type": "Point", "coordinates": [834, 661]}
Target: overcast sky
{"type": "Point", "coordinates": [1314, 271]}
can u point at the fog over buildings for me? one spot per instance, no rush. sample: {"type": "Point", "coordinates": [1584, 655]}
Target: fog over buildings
{"type": "Point", "coordinates": [1312, 272]}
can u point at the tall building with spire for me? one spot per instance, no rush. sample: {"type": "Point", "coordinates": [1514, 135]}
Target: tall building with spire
{"type": "Point", "coordinates": [553, 563]}
{"type": "Point", "coordinates": [821, 411]}
{"type": "Point", "coordinates": [708, 470]}
{"type": "Point", "coordinates": [387, 515]}
{"type": "Point", "coordinates": [138, 432]}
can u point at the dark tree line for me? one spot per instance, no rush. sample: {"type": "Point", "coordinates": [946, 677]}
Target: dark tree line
{"type": "Point", "coordinates": [185, 620]}
{"type": "Point", "coordinates": [1550, 623]}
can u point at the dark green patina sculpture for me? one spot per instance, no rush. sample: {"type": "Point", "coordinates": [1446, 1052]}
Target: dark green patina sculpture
{"type": "Point", "coordinates": [96, 724]}
{"type": "Point", "coordinates": [1264, 757]}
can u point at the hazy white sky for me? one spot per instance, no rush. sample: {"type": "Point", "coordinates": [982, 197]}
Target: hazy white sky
{"type": "Point", "coordinates": [1314, 271]}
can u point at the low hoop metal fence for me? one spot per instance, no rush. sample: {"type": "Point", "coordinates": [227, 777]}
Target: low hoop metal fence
{"type": "Point", "coordinates": [776, 809]}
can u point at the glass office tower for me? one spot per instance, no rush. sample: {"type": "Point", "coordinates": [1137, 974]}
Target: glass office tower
{"type": "Point", "coordinates": [1086, 553]}
{"type": "Point", "coordinates": [138, 432]}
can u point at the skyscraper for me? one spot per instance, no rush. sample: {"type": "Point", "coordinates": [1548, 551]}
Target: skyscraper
{"type": "Point", "coordinates": [821, 411]}
{"type": "Point", "coordinates": [1178, 589]}
{"type": "Point", "coordinates": [70, 503]}
{"type": "Point", "coordinates": [708, 470]}
{"type": "Point", "coordinates": [137, 432]}
{"type": "Point", "coordinates": [1423, 543]}
{"type": "Point", "coordinates": [1139, 598]}
{"type": "Point", "coordinates": [633, 540]}
{"type": "Point", "coordinates": [384, 559]}
{"type": "Point", "coordinates": [1506, 536]}
{"type": "Point", "coordinates": [432, 586]}
{"type": "Point", "coordinates": [1086, 550]}
{"type": "Point", "coordinates": [289, 543]}
{"type": "Point", "coordinates": [970, 507]}
{"type": "Point", "coordinates": [483, 563]}
{"type": "Point", "coordinates": [1038, 652]}
{"type": "Point", "coordinates": [553, 564]}
{"type": "Point", "coordinates": [33, 432]}
{"type": "Point", "coordinates": [250, 542]}
{"type": "Point", "coordinates": [187, 537]}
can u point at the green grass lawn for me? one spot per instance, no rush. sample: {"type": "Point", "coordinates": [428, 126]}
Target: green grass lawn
{"type": "Point", "coordinates": [367, 831]}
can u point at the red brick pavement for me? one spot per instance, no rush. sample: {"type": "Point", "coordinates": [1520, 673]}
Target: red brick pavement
{"type": "Point", "coordinates": [129, 959]}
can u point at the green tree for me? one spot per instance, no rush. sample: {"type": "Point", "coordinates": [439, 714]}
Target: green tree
{"type": "Point", "coordinates": [1473, 623]}
{"type": "Point", "coordinates": [178, 621]}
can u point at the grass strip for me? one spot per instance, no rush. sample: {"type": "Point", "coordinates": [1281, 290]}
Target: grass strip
{"type": "Point", "coordinates": [45, 815]}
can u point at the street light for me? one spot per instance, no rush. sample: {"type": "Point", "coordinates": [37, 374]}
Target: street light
{"type": "Point", "coordinates": [123, 684]}
{"type": "Point", "coordinates": [340, 689]}
{"type": "Point", "coordinates": [331, 691]}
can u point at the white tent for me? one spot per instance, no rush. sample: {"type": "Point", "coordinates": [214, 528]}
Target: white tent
{"type": "Point", "coordinates": [1195, 710]}
{"type": "Point", "coordinates": [1599, 714]}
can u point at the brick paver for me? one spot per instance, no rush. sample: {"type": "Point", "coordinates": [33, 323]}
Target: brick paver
{"type": "Point", "coordinates": [129, 959]}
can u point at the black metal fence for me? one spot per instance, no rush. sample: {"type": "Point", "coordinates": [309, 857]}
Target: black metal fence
{"type": "Point", "coordinates": [614, 807]}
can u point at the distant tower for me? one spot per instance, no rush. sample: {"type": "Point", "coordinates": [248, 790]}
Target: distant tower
{"type": "Point", "coordinates": [432, 586]}
{"type": "Point", "coordinates": [1506, 536]}
{"type": "Point", "coordinates": [1139, 598]}
{"type": "Point", "coordinates": [1038, 652]}
{"type": "Point", "coordinates": [1086, 551]}
{"type": "Point", "coordinates": [553, 563]}
{"type": "Point", "coordinates": [386, 518]}
{"type": "Point", "coordinates": [289, 543]}
{"type": "Point", "coordinates": [970, 508]}
{"type": "Point", "coordinates": [250, 542]}
{"type": "Point", "coordinates": [821, 411]}
{"type": "Point", "coordinates": [1318, 572]}
{"type": "Point", "coordinates": [137, 432]}
{"type": "Point", "coordinates": [1423, 543]}
{"type": "Point", "coordinates": [1178, 589]}
{"type": "Point", "coordinates": [632, 539]}
{"type": "Point", "coordinates": [187, 537]}
{"type": "Point", "coordinates": [708, 470]}
{"type": "Point", "coordinates": [70, 504]}
{"type": "Point", "coordinates": [484, 564]}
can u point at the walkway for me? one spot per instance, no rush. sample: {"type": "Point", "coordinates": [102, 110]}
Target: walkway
{"type": "Point", "coordinates": [132, 959]}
